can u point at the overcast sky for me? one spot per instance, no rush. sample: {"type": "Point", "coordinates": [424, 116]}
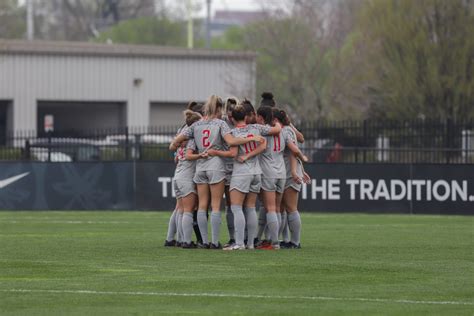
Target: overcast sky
{"type": "Point", "coordinates": [245, 5]}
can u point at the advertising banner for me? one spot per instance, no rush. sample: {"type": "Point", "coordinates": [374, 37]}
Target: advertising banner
{"type": "Point", "coordinates": [66, 186]}
{"type": "Point", "coordinates": [378, 188]}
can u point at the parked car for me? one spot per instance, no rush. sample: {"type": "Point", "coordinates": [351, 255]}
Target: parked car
{"type": "Point", "coordinates": [77, 149]}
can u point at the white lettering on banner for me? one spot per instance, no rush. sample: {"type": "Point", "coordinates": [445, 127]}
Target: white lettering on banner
{"type": "Point", "coordinates": [456, 188]}
{"type": "Point", "coordinates": [315, 188]}
{"type": "Point", "coordinates": [393, 190]}
{"type": "Point", "coordinates": [164, 186]}
{"type": "Point", "coordinates": [381, 191]}
{"type": "Point", "coordinates": [428, 190]}
{"type": "Point", "coordinates": [372, 190]}
{"type": "Point", "coordinates": [366, 187]}
{"type": "Point", "coordinates": [389, 190]}
{"type": "Point", "coordinates": [418, 184]}
{"type": "Point", "coordinates": [352, 184]}
{"type": "Point", "coordinates": [445, 195]}
{"type": "Point", "coordinates": [334, 189]}
{"type": "Point", "coordinates": [304, 191]}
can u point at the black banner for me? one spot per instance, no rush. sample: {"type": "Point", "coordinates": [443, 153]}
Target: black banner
{"type": "Point", "coordinates": [66, 186]}
{"type": "Point", "coordinates": [381, 188]}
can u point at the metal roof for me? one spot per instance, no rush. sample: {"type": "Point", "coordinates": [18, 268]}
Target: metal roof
{"type": "Point", "coordinates": [37, 47]}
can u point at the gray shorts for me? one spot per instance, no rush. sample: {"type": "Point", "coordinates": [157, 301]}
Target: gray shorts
{"type": "Point", "coordinates": [228, 172]}
{"type": "Point", "coordinates": [183, 188]}
{"type": "Point", "coordinates": [246, 184]}
{"type": "Point", "coordinates": [273, 184]}
{"type": "Point", "coordinates": [290, 183]}
{"type": "Point", "coordinates": [209, 177]}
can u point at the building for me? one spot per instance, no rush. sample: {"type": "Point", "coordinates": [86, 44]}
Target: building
{"type": "Point", "coordinates": [89, 85]}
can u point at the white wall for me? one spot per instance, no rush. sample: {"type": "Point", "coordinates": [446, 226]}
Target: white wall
{"type": "Point", "coordinates": [26, 79]}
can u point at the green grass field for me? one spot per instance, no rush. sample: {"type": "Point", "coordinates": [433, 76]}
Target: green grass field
{"type": "Point", "coordinates": [109, 263]}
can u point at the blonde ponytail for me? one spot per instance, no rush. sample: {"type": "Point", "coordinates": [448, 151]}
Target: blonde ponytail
{"type": "Point", "coordinates": [213, 106]}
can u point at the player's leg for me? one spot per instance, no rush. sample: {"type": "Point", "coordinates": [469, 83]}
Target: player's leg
{"type": "Point", "coordinates": [237, 200]}
{"type": "Point", "coordinates": [251, 218]}
{"type": "Point", "coordinates": [216, 187]}
{"type": "Point", "coordinates": [229, 216]}
{"type": "Point", "coordinates": [294, 219]}
{"type": "Point", "coordinates": [188, 201]}
{"type": "Point", "coordinates": [278, 198]}
{"type": "Point", "coordinates": [269, 200]}
{"type": "Point", "coordinates": [262, 218]}
{"type": "Point", "coordinates": [179, 219]}
{"type": "Point", "coordinates": [203, 203]}
{"type": "Point", "coordinates": [172, 228]}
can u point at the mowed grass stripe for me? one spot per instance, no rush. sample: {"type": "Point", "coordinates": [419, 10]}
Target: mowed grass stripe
{"type": "Point", "coordinates": [350, 264]}
{"type": "Point", "coordinates": [243, 296]}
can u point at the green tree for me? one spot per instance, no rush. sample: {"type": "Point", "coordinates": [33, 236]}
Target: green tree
{"type": "Point", "coordinates": [152, 31]}
{"type": "Point", "coordinates": [416, 58]}
{"type": "Point", "coordinates": [12, 17]}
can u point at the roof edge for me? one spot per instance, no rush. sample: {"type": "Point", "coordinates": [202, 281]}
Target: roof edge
{"type": "Point", "coordinates": [40, 47]}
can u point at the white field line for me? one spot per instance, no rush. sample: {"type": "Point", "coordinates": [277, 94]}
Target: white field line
{"type": "Point", "coordinates": [230, 295]}
{"type": "Point", "coordinates": [62, 222]}
{"type": "Point", "coordinates": [75, 263]}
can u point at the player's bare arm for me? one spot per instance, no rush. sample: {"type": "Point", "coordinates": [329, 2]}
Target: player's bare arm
{"type": "Point", "coordinates": [260, 149]}
{"type": "Point", "coordinates": [299, 135]}
{"type": "Point", "coordinates": [297, 152]}
{"type": "Point", "coordinates": [236, 141]}
{"type": "Point", "coordinates": [231, 153]}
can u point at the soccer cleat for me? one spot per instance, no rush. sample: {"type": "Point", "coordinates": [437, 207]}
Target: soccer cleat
{"type": "Point", "coordinates": [190, 245]}
{"type": "Point", "coordinates": [202, 246]}
{"type": "Point", "coordinates": [269, 246]}
{"type": "Point", "coordinates": [293, 246]}
{"type": "Point", "coordinates": [264, 247]}
{"type": "Point", "coordinates": [231, 242]}
{"type": "Point", "coordinates": [179, 244]}
{"type": "Point", "coordinates": [234, 247]}
{"type": "Point", "coordinates": [170, 243]}
{"type": "Point", "coordinates": [214, 247]}
{"type": "Point", "coordinates": [284, 244]}
{"type": "Point", "coordinates": [262, 243]}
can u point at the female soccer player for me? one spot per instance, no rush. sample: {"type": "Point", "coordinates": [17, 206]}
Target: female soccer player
{"type": "Point", "coordinates": [273, 174]}
{"type": "Point", "coordinates": [295, 175]}
{"type": "Point", "coordinates": [210, 173]}
{"type": "Point", "coordinates": [174, 225]}
{"type": "Point", "coordinates": [229, 163]}
{"type": "Point", "coordinates": [184, 187]}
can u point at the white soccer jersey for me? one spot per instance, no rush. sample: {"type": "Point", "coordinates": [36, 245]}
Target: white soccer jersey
{"type": "Point", "coordinates": [208, 134]}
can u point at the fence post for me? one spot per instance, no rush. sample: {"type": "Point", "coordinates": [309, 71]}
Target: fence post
{"type": "Point", "coordinates": [49, 146]}
{"type": "Point", "coordinates": [449, 133]}
{"type": "Point", "coordinates": [364, 136]}
{"type": "Point", "coordinates": [27, 155]}
{"type": "Point", "coordinates": [127, 153]}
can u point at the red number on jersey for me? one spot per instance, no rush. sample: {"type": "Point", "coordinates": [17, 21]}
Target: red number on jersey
{"type": "Point", "coordinates": [249, 147]}
{"type": "Point", "coordinates": [205, 138]}
{"type": "Point", "coordinates": [276, 143]}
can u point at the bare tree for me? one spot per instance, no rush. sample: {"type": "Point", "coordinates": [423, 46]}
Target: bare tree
{"type": "Point", "coordinates": [83, 19]}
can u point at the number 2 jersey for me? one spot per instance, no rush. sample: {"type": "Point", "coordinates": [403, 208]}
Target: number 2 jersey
{"type": "Point", "coordinates": [271, 160]}
{"type": "Point", "coordinates": [208, 134]}
{"type": "Point", "coordinates": [250, 166]}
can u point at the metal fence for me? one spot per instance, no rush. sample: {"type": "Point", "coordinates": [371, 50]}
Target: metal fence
{"type": "Point", "coordinates": [418, 141]}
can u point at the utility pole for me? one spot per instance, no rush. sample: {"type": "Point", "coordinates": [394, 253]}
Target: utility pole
{"type": "Point", "coordinates": [208, 25]}
{"type": "Point", "coordinates": [30, 23]}
{"type": "Point", "coordinates": [190, 25]}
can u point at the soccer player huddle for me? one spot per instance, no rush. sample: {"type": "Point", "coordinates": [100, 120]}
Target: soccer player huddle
{"type": "Point", "coordinates": [228, 147]}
